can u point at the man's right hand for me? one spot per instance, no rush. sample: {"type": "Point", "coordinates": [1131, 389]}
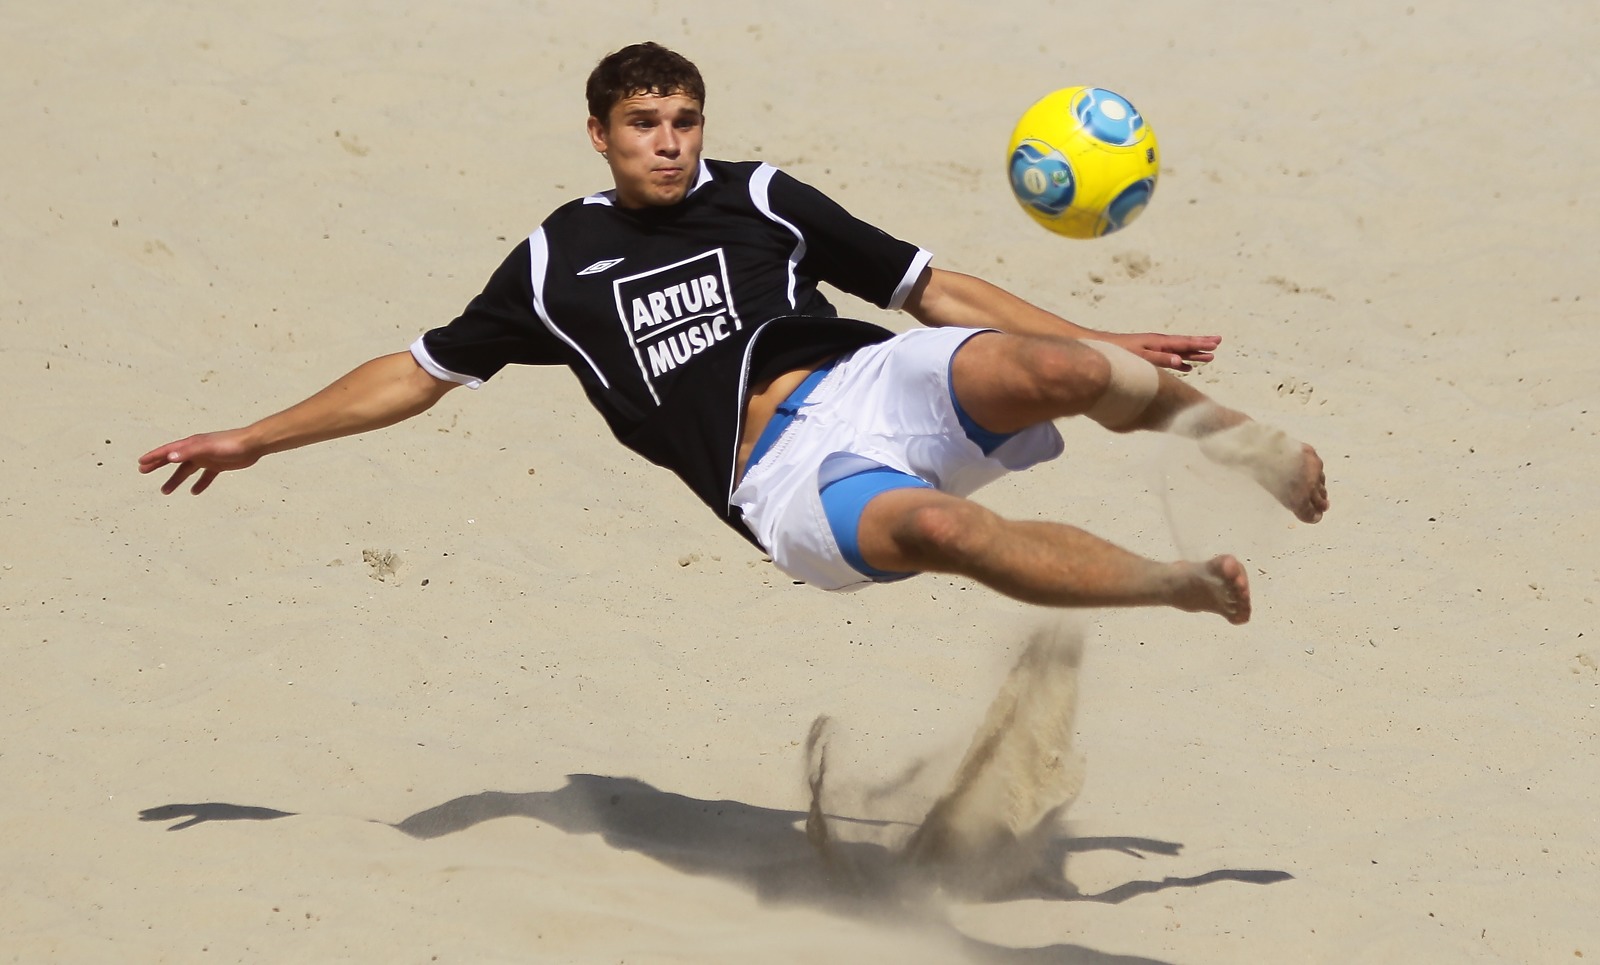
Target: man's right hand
{"type": "Point", "coordinates": [209, 454]}
{"type": "Point", "coordinates": [373, 395]}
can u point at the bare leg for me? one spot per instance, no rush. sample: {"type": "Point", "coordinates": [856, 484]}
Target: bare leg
{"type": "Point", "coordinates": [1008, 382]}
{"type": "Point", "coordinates": [1050, 564]}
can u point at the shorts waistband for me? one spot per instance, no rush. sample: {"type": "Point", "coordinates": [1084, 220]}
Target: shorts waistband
{"type": "Point", "coordinates": [786, 411]}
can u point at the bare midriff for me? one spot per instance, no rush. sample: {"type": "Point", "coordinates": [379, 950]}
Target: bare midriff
{"type": "Point", "coordinates": [763, 402]}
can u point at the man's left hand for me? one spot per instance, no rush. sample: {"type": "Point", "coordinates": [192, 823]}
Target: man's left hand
{"type": "Point", "coordinates": [1166, 351]}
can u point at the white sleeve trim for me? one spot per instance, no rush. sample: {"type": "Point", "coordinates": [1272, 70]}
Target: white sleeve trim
{"type": "Point", "coordinates": [909, 281]}
{"type": "Point", "coordinates": [419, 352]}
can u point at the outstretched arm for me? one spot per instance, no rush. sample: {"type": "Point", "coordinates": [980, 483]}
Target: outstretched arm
{"type": "Point", "coordinates": [951, 298]}
{"type": "Point", "coordinates": [378, 393]}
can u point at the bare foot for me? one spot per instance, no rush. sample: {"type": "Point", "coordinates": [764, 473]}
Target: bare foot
{"type": "Point", "coordinates": [1219, 585]}
{"type": "Point", "coordinates": [1291, 471]}
{"type": "Point", "coordinates": [1306, 493]}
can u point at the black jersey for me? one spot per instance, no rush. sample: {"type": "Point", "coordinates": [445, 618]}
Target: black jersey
{"type": "Point", "coordinates": [666, 315]}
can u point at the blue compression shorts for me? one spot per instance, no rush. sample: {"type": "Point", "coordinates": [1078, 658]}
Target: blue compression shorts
{"type": "Point", "coordinates": [844, 500]}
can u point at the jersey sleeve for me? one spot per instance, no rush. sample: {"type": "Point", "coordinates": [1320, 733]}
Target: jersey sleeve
{"type": "Point", "coordinates": [843, 250]}
{"type": "Point", "coordinates": [498, 328]}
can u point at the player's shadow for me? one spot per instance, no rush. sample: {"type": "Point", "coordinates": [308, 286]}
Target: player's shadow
{"type": "Point", "coordinates": [763, 849]}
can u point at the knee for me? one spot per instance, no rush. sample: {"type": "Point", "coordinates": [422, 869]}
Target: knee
{"type": "Point", "coordinates": [937, 534]}
{"type": "Point", "coordinates": [1066, 373]}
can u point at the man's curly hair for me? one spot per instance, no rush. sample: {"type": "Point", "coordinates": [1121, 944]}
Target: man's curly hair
{"type": "Point", "coordinates": [646, 68]}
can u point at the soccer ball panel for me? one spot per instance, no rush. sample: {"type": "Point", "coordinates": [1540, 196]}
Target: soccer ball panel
{"type": "Point", "coordinates": [1107, 117]}
{"type": "Point", "coordinates": [1128, 205]}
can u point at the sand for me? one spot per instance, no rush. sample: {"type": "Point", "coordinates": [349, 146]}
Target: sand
{"type": "Point", "coordinates": [479, 688]}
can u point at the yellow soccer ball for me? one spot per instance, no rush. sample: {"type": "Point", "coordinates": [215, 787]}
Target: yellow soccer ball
{"type": "Point", "coordinates": [1083, 162]}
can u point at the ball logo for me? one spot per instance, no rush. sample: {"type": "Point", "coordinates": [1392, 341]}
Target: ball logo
{"type": "Point", "coordinates": [1042, 178]}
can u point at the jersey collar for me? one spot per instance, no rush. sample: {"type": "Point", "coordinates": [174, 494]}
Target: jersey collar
{"type": "Point", "coordinates": [609, 198]}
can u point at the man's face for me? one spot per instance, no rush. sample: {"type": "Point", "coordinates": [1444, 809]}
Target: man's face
{"type": "Point", "coordinates": [652, 143]}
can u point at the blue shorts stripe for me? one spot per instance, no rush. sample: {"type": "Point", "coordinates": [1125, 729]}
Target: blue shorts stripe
{"type": "Point", "coordinates": [786, 411]}
{"type": "Point", "coordinates": [985, 440]}
{"type": "Point", "coordinates": [844, 500]}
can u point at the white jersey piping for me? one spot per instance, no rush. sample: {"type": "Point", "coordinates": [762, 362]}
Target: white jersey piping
{"type": "Point", "coordinates": [759, 183]}
{"type": "Point", "coordinates": [539, 261]}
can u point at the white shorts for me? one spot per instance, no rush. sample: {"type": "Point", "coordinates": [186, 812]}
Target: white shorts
{"type": "Point", "coordinates": [888, 404]}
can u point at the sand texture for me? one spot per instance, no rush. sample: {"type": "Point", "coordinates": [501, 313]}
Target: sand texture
{"type": "Point", "coordinates": [485, 687]}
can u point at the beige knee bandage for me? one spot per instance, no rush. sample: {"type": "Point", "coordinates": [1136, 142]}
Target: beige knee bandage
{"type": "Point", "coordinates": [1133, 385]}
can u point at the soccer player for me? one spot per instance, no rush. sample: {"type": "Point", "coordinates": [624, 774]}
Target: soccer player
{"type": "Point", "coordinates": [685, 300]}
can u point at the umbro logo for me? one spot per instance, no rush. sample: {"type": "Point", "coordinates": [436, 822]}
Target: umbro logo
{"type": "Point", "coordinates": [600, 266]}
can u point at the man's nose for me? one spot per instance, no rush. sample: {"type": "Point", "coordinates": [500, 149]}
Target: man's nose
{"type": "Point", "coordinates": [668, 145]}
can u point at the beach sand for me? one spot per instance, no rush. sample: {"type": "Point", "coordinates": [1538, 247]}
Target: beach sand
{"type": "Point", "coordinates": [486, 687]}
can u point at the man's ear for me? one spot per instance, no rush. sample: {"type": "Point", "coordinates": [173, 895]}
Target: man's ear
{"type": "Point", "coordinates": [597, 135]}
